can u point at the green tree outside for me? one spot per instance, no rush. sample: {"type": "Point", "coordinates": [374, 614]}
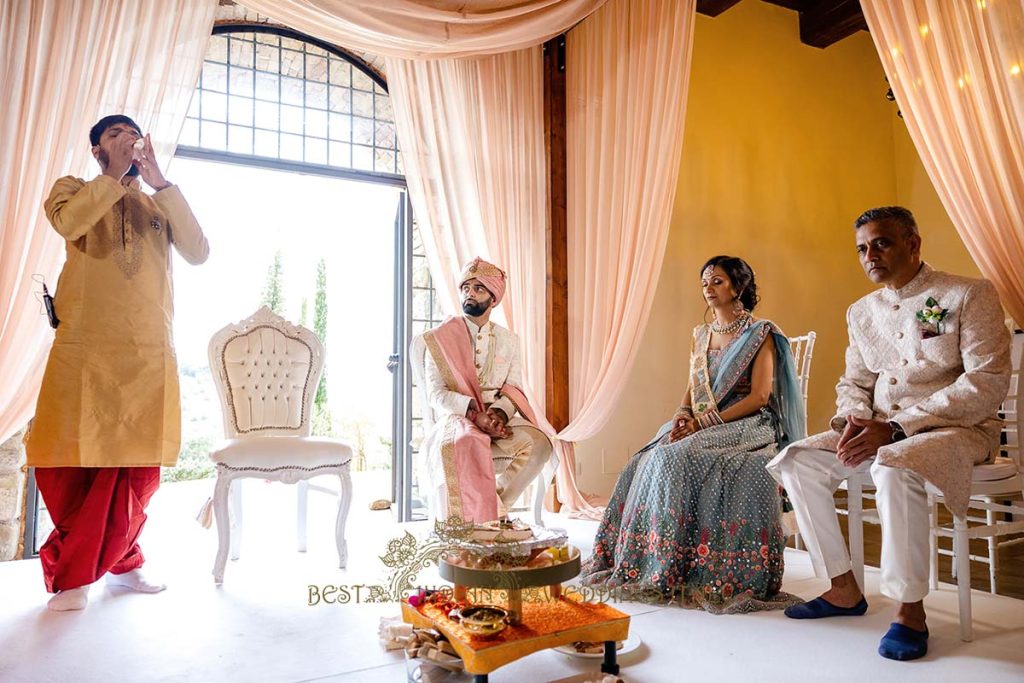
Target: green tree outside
{"type": "Point", "coordinates": [273, 290]}
{"type": "Point", "coordinates": [322, 423]}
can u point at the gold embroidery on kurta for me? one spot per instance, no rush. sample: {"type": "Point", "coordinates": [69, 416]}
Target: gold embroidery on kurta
{"type": "Point", "coordinates": [126, 245]}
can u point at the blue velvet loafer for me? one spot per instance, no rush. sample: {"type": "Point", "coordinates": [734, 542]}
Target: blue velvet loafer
{"type": "Point", "coordinates": [820, 608]}
{"type": "Point", "coordinates": [903, 643]}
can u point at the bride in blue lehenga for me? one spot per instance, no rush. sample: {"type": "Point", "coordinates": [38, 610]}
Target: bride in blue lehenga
{"type": "Point", "coordinates": [695, 516]}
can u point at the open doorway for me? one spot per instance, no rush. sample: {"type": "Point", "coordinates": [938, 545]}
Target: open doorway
{"type": "Point", "coordinates": [319, 251]}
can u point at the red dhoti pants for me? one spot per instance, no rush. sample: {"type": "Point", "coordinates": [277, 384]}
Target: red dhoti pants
{"type": "Point", "coordinates": [97, 514]}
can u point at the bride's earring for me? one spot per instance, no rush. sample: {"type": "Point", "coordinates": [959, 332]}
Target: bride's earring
{"type": "Point", "coordinates": [737, 306]}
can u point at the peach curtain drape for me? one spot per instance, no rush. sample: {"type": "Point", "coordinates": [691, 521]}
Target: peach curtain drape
{"type": "Point", "coordinates": [957, 70]}
{"type": "Point", "coordinates": [63, 65]}
{"type": "Point", "coordinates": [434, 29]}
{"type": "Point", "coordinates": [472, 138]}
{"type": "Point", "coordinates": [628, 68]}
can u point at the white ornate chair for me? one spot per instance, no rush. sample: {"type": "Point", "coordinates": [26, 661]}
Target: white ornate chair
{"type": "Point", "coordinates": [417, 360]}
{"type": "Point", "coordinates": [267, 371]}
{"type": "Point", "coordinates": [992, 486]}
{"type": "Point", "coordinates": [803, 351]}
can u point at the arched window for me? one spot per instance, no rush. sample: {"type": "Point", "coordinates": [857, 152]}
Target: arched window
{"type": "Point", "coordinates": [274, 94]}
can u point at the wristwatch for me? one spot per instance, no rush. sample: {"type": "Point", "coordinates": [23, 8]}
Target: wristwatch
{"type": "Point", "coordinates": [897, 432]}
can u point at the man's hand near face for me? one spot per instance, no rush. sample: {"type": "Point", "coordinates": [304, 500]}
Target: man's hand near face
{"type": "Point", "coordinates": [120, 157]}
{"type": "Point", "coordinates": [148, 168]}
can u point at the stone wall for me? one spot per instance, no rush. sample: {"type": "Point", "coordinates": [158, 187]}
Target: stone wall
{"type": "Point", "coordinates": [12, 492]}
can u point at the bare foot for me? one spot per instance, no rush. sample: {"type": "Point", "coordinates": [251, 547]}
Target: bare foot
{"type": "Point", "coordinates": [844, 591]}
{"type": "Point", "coordinates": [69, 600]}
{"type": "Point", "coordinates": [911, 615]}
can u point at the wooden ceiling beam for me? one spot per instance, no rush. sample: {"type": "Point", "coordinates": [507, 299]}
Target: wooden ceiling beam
{"type": "Point", "coordinates": [797, 5]}
{"type": "Point", "coordinates": [713, 8]}
{"type": "Point", "coordinates": [826, 22]}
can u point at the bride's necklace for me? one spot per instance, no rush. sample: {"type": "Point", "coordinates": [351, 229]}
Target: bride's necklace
{"type": "Point", "coordinates": [741, 322]}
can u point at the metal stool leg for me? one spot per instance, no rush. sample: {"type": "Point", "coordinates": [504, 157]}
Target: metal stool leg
{"type": "Point", "coordinates": [608, 665]}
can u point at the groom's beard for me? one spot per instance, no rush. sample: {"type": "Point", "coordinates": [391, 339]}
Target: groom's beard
{"type": "Point", "coordinates": [475, 308]}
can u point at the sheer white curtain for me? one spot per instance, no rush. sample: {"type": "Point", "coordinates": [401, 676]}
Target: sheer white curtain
{"type": "Point", "coordinates": [957, 70]}
{"type": "Point", "coordinates": [626, 86]}
{"type": "Point", "coordinates": [64, 65]}
{"type": "Point", "coordinates": [472, 137]}
{"type": "Point", "coordinates": [429, 29]}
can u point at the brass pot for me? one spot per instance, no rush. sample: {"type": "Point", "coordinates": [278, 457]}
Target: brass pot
{"type": "Point", "coordinates": [484, 620]}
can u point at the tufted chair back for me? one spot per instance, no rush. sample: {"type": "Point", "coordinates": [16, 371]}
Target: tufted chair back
{"type": "Point", "coordinates": [266, 371]}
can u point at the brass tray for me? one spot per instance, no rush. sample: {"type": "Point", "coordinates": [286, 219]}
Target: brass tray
{"type": "Point", "coordinates": [511, 578]}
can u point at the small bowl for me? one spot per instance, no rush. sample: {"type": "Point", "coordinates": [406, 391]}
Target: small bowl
{"type": "Point", "coordinates": [484, 620]}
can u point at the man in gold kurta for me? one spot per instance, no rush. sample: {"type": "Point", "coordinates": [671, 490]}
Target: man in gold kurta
{"type": "Point", "coordinates": [108, 415]}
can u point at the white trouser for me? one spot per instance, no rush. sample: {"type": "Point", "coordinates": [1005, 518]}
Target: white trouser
{"type": "Point", "coordinates": [518, 460]}
{"type": "Point", "coordinates": [811, 477]}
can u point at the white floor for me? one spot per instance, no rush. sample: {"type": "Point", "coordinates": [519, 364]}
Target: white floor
{"type": "Point", "coordinates": [259, 627]}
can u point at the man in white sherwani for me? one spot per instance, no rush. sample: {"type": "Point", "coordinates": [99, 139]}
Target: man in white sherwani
{"type": "Point", "coordinates": [927, 367]}
{"type": "Point", "coordinates": [474, 384]}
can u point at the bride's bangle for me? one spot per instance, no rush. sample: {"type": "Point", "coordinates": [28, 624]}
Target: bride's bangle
{"type": "Point", "coordinates": [709, 419]}
{"type": "Point", "coordinates": [683, 411]}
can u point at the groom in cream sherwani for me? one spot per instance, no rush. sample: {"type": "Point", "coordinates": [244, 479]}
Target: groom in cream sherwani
{"type": "Point", "coordinates": [486, 446]}
{"type": "Point", "coordinates": [927, 366]}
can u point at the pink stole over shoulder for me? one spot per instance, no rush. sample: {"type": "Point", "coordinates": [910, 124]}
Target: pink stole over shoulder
{"type": "Point", "coordinates": [465, 449]}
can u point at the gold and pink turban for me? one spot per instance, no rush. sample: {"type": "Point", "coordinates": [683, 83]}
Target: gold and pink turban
{"type": "Point", "coordinates": [490, 276]}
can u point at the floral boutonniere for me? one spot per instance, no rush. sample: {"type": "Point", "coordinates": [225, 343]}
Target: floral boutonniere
{"type": "Point", "coordinates": [931, 316]}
